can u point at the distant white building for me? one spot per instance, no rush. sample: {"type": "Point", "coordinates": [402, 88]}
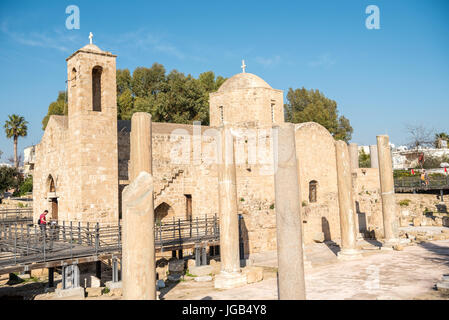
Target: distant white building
{"type": "Point", "coordinates": [28, 160]}
{"type": "Point", "coordinates": [408, 158]}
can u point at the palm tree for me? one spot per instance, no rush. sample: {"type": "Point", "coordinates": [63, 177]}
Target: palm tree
{"type": "Point", "coordinates": [16, 127]}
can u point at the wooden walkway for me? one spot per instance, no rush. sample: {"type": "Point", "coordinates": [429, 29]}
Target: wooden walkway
{"type": "Point", "coordinates": [25, 246]}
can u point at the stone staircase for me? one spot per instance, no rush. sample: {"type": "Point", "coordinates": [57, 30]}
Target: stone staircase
{"type": "Point", "coordinates": [169, 182]}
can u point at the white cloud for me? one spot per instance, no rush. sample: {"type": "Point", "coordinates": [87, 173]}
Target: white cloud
{"type": "Point", "coordinates": [324, 60]}
{"type": "Point", "coordinates": [268, 62]}
{"type": "Point", "coordinates": [58, 40]}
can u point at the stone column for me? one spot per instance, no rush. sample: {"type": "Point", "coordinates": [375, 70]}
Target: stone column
{"type": "Point", "coordinates": [391, 232]}
{"type": "Point", "coordinates": [354, 155]}
{"type": "Point", "coordinates": [373, 156]}
{"type": "Point", "coordinates": [140, 148]}
{"type": "Point", "coordinates": [348, 227]}
{"type": "Point", "coordinates": [291, 284]}
{"type": "Point", "coordinates": [230, 275]}
{"type": "Point", "coordinates": [138, 258]}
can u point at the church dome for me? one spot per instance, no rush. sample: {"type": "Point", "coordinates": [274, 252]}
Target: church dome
{"type": "Point", "coordinates": [243, 81]}
{"type": "Point", "coordinates": [91, 47]}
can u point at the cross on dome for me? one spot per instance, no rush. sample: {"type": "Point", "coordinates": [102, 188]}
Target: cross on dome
{"type": "Point", "coordinates": [90, 37]}
{"type": "Point", "coordinates": [243, 66]}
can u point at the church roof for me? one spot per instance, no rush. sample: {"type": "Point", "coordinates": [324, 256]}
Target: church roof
{"type": "Point", "coordinates": [243, 81]}
{"type": "Point", "coordinates": [91, 47]}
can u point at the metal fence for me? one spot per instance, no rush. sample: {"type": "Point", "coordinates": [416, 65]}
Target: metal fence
{"type": "Point", "coordinates": [16, 215]}
{"type": "Point", "coordinates": [23, 243]}
{"type": "Point", "coordinates": [416, 183]}
{"type": "Point", "coordinates": [179, 232]}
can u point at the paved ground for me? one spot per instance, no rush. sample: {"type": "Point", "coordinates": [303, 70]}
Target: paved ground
{"type": "Point", "coordinates": [408, 274]}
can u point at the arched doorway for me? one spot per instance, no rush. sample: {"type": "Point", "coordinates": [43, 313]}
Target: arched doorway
{"type": "Point", "coordinates": [162, 212]}
{"type": "Point", "coordinates": [52, 197]}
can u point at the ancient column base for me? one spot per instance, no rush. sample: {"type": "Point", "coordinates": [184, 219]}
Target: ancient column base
{"type": "Point", "coordinates": [70, 293]}
{"type": "Point", "coordinates": [349, 254]}
{"type": "Point", "coordinates": [226, 280]}
{"type": "Point", "coordinates": [389, 244]}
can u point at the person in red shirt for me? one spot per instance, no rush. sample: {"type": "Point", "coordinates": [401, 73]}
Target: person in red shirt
{"type": "Point", "coordinates": [43, 222]}
{"type": "Point", "coordinates": [43, 218]}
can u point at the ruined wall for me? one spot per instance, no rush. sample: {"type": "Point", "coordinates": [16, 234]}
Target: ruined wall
{"type": "Point", "coordinates": [368, 202]}
{"type": "Point", "coordinates": [315, 151]}
{"type": "Point", "coordinates": [422, 209]}
{"type": "Point", "coordinates": [51, 158]}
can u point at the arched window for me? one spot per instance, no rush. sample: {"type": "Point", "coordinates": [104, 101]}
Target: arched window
{"type": "Point", "coordinates": [96, 88]}
{"type": "Point", "coordinates": [51, 184]}
{"type": "Point", "coordinates": [163, 211]}
{"type": "Point", "coordinates": [73, 78]}
{"type": "Point", "coordinates": [313, 186]}
{"type": "Point", "coordinates": [221, 114]}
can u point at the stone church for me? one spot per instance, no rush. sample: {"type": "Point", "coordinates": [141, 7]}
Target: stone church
{"type": "Point", "coordinates": [82, 161]}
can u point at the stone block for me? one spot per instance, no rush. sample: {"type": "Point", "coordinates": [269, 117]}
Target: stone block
{"type": "Point", "coordinates": [191, 263]}
{"type": "Point", "coordinates": [174, 277]}
{"type": "Point", "coordinates": [95, 282]}
{"type": "Point", "coordinates": [319, 237]}
{"type": "Point", "coordinates": [38, 273]}
{"type": "Point", "coordinates": [229, 280]}
{"type": "Point", "coordinates": [113, 285]}
{"type": "Point", "coordinates": [201, 270]}
{"type": "Point", "coordinates": [398, 247]}
{"type": "Point", "coordinates": [94, 292]}
{"type": "Point", "coordinates": [72, 293]}
{"type": "Point", "coordinates": [116, 292]}
{"type": "Point", "coordinates": [417, 221]}
{"type": "Point", "coordinates": [203, 279]}
{"type": "Point", "coordinates": [253, 274]}
{"type": "Point", "coordinates": [176, 265]}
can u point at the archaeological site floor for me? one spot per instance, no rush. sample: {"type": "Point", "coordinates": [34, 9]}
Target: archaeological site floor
{"type": "Point", "coordinates": [408, 274]}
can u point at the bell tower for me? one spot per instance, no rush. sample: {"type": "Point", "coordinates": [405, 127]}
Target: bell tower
{"type": "Point", "coordinates": [92, 132]}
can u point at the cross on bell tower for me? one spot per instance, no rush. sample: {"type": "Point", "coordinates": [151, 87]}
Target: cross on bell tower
{"type": "Point", "coordinates": [90, 37]}
{"type": "Point", "coordinates": [243, 66]}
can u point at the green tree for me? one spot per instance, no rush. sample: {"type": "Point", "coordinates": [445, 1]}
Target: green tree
{"type": "Point", "coordinates": [442, 136]}
{"type": "Point", "coordinates": [364, 159]}
{"type": "Point", "coordinates": [172, 97]}
{"type": "Point", "coordinates": [26, 185]}
{"type": "Point", "coordinates": [311, 105]}
{"type": "Point", "coordinates": [58, 107]}
{"type": "Point", "coordinates": [8, 178]}
{"type": "Point", "coordinates": [16, 127]}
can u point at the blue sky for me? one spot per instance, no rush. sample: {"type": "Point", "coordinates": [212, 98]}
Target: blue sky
{"type": "Point", "coordinates": [381, 79]}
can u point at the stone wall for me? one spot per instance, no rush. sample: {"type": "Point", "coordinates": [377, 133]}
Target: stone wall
{"type": "Point", "coordinates": [315, 152]}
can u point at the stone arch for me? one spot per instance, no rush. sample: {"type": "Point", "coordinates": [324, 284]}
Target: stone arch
{"type": "Point", "coordinates": [52, 197]}
{"type": "Point", "coordinates": [96, 88]}
{"type": "Point", "coordinates": [163, 212]}
{"type": "Point", "coordinates": [51, 185]}
{"type": "Point", "coordinates": [73, 78]}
